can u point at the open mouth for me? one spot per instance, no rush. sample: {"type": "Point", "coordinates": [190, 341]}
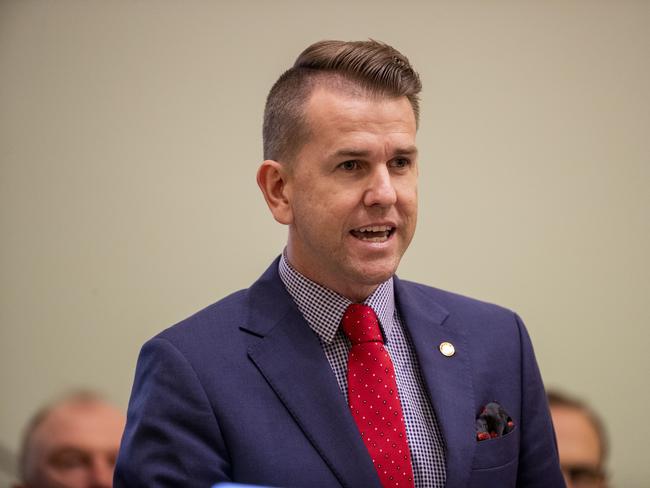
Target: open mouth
{"type": "Point", "coordinates": [373, 233]}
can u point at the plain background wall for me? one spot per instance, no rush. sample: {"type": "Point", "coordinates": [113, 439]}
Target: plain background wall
{"type": "Point", "coordinates": [130, 133]}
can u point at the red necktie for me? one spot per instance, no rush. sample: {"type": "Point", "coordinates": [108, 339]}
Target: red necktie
{"type": "Point", "coordinates": [374, 399]}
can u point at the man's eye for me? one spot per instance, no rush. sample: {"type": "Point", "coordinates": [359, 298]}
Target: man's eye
{"type": "Point", "coordinates": [349, 165]}
{"type": "Point", "coordinates": [69, 460]}
{"type": "Point", "coordinates": [400, 163]}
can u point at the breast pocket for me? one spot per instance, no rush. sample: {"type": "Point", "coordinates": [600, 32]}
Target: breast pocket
{"type": "Point", "coordinates": [493, 453]}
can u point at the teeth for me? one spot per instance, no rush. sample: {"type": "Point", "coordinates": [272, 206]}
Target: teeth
{"type": "Point", "coordinates": [375, 228]}
{"type": "Point", "coordinates": [373, 233]}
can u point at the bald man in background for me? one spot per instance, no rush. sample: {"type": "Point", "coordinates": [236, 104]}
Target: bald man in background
{"type": "Point", "coordinates": [581, 441]}
{"type": "Point", "coordinates": [71, 443]}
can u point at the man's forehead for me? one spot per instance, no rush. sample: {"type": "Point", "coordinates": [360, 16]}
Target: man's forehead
{"type": "Point", "coordinates": [349, 113]}
{"type": "Point", "coordinates": [577, 436]}
{"type": "Point", "coordinates": [349, 94]}
{"type": "Point", "coordinates": [336, 82]}
{"type": "Point", "coordinates": [79, 419]}
{"type": "Point", "coordinates": [571, 416]}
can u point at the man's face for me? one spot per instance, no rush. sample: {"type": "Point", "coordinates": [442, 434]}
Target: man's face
{"type": "Point", "coordinates": [579, 448]}
{"type": "Point", "coordinates": [352, 191]}
{"type": "Point", "coordinates": [76, 447]}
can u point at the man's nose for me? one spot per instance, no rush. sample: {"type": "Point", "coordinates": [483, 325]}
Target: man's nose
{"type": "Point", "coordinates": [101, 474]}
{"type": "Point", "coordinates": [381, 190]}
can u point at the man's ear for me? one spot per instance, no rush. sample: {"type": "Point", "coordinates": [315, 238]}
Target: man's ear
{"type": "Point", "coordinates": [272, 179]}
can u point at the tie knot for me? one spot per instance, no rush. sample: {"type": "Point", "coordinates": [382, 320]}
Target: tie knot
{"type": "Point", "coordinates": [360, 324]}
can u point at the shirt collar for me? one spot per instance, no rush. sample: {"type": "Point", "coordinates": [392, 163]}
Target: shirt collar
{"type": "Point", "coordinates": [323, 308]}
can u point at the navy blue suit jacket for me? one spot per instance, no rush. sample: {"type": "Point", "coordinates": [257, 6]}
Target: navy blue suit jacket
{"type": "Point", "coordinates": [242, 391]}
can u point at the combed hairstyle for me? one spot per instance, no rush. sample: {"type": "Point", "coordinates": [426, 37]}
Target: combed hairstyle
{"type": "Point", "coordinates": [361, 68]}
{"type": "Point", "coordinates": [560, 399]}
{"type": "Point", "coordinates": [79, 396]}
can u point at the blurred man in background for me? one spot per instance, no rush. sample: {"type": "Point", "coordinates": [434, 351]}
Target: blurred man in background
{"type": "Point", "coordinates": [581, 440]}
{"type": "Point", "coordinates": [71, 443]}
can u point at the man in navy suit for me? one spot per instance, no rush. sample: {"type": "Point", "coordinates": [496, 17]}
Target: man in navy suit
{"type": "Point", "coordinates": [253, 389]}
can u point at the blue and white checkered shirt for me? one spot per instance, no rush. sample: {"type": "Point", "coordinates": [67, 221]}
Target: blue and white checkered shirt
{"type": "Point", "coordinates": [323, 310]}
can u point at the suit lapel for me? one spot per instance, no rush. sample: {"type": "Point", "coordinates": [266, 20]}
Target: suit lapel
{"type": "Point", "coordinates": [291, 359]}
{"type": "Point", "coordinates": [448, 379]}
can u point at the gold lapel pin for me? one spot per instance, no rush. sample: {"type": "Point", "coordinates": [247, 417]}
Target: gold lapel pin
{"type": "Point", "coordinates": [447, 349]}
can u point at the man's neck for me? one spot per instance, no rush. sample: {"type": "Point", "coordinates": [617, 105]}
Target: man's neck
{"type": "Point", "coordinates": [355, 292]}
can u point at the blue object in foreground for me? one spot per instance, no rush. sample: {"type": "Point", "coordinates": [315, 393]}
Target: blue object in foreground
{"type": "Point", "coordinates": [235, 485]}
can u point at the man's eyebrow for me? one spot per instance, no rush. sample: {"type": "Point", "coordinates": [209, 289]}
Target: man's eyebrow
{"type": "Point", "coordinates": [350, 153]}
{"type": "Point", "coordinates": [67, 449]}
{"type": "Point", "coordinates": [406, 151]}
{"type": "Point", "coordinates": [362, 153]}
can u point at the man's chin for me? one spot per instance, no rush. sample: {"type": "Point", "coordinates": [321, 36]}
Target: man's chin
{"type": "Point", "coordinates": [376, 274]}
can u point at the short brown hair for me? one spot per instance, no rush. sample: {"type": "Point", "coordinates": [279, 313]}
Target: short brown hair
{"type": "Point", "coordinates": [363, 67]}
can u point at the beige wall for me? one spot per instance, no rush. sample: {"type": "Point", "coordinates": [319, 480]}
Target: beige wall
{"type": "Point", "coordinates": [130, 136]}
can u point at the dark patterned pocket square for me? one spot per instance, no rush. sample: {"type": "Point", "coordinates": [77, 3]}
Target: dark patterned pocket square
{"type": "Point", "coordinates": [493, 421]}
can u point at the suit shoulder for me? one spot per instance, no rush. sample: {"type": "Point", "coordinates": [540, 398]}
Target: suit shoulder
{"type": "Point", "coordinates": [219, 317]}
{"type": "Point", "coordinates": [456, 303]}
